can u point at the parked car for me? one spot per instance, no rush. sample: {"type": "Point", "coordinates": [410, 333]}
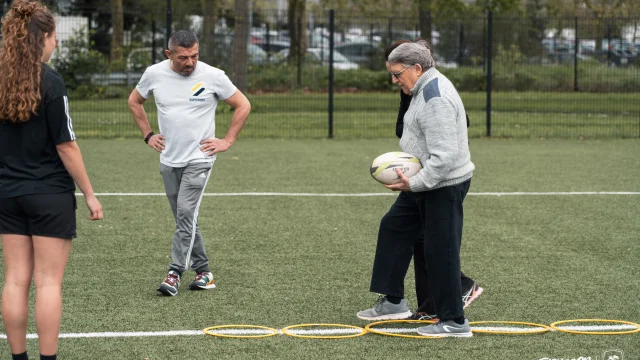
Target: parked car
{"type": "Point", "coordinates": [129, 79]}
{"type": "Point", "coordinates": [360, 52]}
{"type": "Point", "coordinates": [273, 46]}
{"type": "Point", "coordinates": [395, 35]}
{"type": "Point", "coordinates": [139, 59]}
{"type": "Point", "coordinates": [319, 56]}
{"type": "Point", "coordinates": [256, 55]}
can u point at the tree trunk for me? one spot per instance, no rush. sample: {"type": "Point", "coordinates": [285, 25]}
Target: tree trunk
{"type": "Point", "coordinates": [207, 43]}
{"type": "Point", "coordinates": [117, 26]}
{"type": "Point", "coordinates": [424, 16]}
{"type": "Point", "coordinates": [297, 30]}
{"type": "Point", "coordinates": [240, 37]}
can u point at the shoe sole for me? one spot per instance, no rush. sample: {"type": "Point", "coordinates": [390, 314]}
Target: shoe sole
{"type": "Point", "coordinates": [433, 321]}
{"type": "Point", "coordinates": [474, 296]}
{"type": "Point", "coordinates": [469, 334]}
{"type": "Point", "coordinates": [399, 316]}
{"type": "Point", "coordinates": [166, 292]}
{"type": "Point", "coordinates": [206, 287]}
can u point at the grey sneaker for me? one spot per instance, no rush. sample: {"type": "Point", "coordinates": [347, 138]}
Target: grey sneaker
{"type": "Point", "coordinates": [446, 329]}
{"type": "Point", "coordinates": [384, 310]}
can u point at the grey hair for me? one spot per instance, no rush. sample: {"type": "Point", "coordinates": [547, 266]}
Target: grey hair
{"type": "Point", "coordinates": [182, 38]}
{"type": "Point", "coordinates": [409, 54]}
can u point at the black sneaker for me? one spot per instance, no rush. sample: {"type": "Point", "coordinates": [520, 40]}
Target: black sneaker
{"type": "Point", "coordinates": [471, 294]}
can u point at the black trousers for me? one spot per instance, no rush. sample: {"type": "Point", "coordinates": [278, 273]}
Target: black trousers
{"type": "Point", "coordinates": [423, 290]}
{"type": "Point", "coordinates": [438, 215]}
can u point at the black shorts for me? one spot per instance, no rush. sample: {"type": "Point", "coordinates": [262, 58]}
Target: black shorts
{"type": "Point", "coordinates": [50, 215]}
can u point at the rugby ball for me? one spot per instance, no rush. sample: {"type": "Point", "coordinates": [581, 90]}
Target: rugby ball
{"type": "Point", "coordinates": [383, 168]}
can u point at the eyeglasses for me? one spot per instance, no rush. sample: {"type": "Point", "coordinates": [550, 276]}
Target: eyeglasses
{"type": "Point", "coordinates": [397, 74]}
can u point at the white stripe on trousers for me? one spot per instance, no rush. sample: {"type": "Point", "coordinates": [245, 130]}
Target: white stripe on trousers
{"type": "Point", "coordinates": [195, 222]}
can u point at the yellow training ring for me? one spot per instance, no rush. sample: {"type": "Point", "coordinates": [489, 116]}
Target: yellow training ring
{"type": "Point", "coordinates": [543, 328]}
{"type": "Point", "coordinates": [209, 331]}
{"type": "Point", "coordinates": [376, 331]}
{"type": "Point", "coordinates": [555, 327]}
{"type": "Point", "coordinates": [287, 329]}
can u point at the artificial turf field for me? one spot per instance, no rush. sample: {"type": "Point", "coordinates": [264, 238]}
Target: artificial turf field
{"type": "Point", "coordinates": [551, 233]}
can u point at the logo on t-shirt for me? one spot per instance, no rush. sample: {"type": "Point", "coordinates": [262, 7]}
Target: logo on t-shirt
{"type": "Point", "coordinates": [197, 89]}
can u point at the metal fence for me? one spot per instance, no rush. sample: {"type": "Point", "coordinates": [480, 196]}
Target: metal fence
{"type": "Point", "coordinates": [546, 77]}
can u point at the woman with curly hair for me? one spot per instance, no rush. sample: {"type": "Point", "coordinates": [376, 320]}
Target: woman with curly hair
{"type": "Point", "coordinates": [39, 162]}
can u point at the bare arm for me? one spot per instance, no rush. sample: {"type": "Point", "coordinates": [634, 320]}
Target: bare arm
{"type": "Point", "coordinates": [242, 108]}
{"type": "Point", "coordinates": [136, 102]}
{"type": "Point", "coordinates": [72, 159]}
{"type": "Point", "coordinates": [137, 110]}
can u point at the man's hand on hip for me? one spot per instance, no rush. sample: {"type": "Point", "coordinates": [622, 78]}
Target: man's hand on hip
{"type": "Point", "coordinates": [212, 146]}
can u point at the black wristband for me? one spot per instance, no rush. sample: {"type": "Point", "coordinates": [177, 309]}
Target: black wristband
{"type": "Point", "coordinates": [149, 135]}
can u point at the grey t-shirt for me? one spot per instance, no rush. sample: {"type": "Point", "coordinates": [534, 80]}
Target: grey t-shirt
{"type": "Point", "coordinates": [186, 108]}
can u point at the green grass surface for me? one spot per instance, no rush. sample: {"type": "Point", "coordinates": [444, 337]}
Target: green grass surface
{"type": "Point", "coordinates": [373, 115]}
{"type": "Point", "coordinates": [281, 261]}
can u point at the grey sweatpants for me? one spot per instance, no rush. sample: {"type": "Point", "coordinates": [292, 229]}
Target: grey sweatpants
{"type": "Point", "coordinates": [184, 188]}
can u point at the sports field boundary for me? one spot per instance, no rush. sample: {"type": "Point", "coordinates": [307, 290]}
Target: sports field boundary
{"type": "Point", "coordinates": [336, 331]}
{"type": "Point", "coordinates": [390, 193]}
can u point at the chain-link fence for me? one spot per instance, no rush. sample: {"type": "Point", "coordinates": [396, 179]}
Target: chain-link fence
{"type": "Point", "coordinates": [546, 77]}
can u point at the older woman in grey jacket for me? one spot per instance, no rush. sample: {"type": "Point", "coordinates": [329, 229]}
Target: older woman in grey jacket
{"type": "Point", "coordinates": [435, 131]}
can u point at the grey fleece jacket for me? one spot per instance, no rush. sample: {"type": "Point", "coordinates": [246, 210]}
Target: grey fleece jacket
{"type": "Point", "coordinates": [435, 131]}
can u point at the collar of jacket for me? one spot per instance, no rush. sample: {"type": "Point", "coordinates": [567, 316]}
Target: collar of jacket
{"type": "Point", "coordinates": [423, 80]}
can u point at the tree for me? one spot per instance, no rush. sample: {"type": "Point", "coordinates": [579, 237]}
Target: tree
{"type": "Point", "coordinates": [240, 37]}
{"type": "Point", "coordinates": [117, 30]}
{"type": "Point", "coordinates": [297, 29]}
{"type": "Point", "coordinates": [604, 11]}
{"type": "Point", "coordinates": [425, 20]}
{"type": "Point", "coordinates": [209, 20]}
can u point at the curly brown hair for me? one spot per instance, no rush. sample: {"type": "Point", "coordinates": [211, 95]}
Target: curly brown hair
{"type": "Point", "coordinates": [23, 32]}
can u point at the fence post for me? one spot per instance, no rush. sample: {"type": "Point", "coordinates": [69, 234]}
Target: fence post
{"type": "Point", "coordinates": [609, 47]}
{"type": "Point", "coordinates": [460, 43]}
{"type": "Point", "coordinates": [299, 55]}
{"type": "Point", "coordinates": [168, 22]}
{"type": "Point", "coordinates": [575, 55]}
{"type": "Point", "coordinates": [332, 30]}
{"type": "Point", "coordinates": [153, 41]}
{"type": "Point", "coordinates": [489, 70]}
{"type": "Point", "coordinates": [268, 38]}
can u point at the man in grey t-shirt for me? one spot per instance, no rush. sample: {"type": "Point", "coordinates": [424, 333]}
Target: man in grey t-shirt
{"type": "Point", "coordinates": [186, 93]}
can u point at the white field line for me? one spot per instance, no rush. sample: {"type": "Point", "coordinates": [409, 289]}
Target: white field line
{"type": "Point", "coordinates": [320, 332]}
{"type": "Point", "coordinates": [390, 193]}
{"type": "Point", "coordinates": [598, 327]}
{"type": "Point", "coordinates": [241, 331]}
{"type": "Point", "coordinates": [486, 328]}
{"type": "Point", "coordinates": [324, 331]}
{"type": "Point", "coordinates": [121, 334]}
{"type": "Point", "coordinates": [508, 328]}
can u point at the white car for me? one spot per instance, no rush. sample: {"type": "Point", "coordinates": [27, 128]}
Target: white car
{"type": "Point", "coordinates": [320, 56]}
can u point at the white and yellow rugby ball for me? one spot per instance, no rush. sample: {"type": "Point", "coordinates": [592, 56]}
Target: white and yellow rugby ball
{"type": "Point", "coordinates": [383, 168]}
